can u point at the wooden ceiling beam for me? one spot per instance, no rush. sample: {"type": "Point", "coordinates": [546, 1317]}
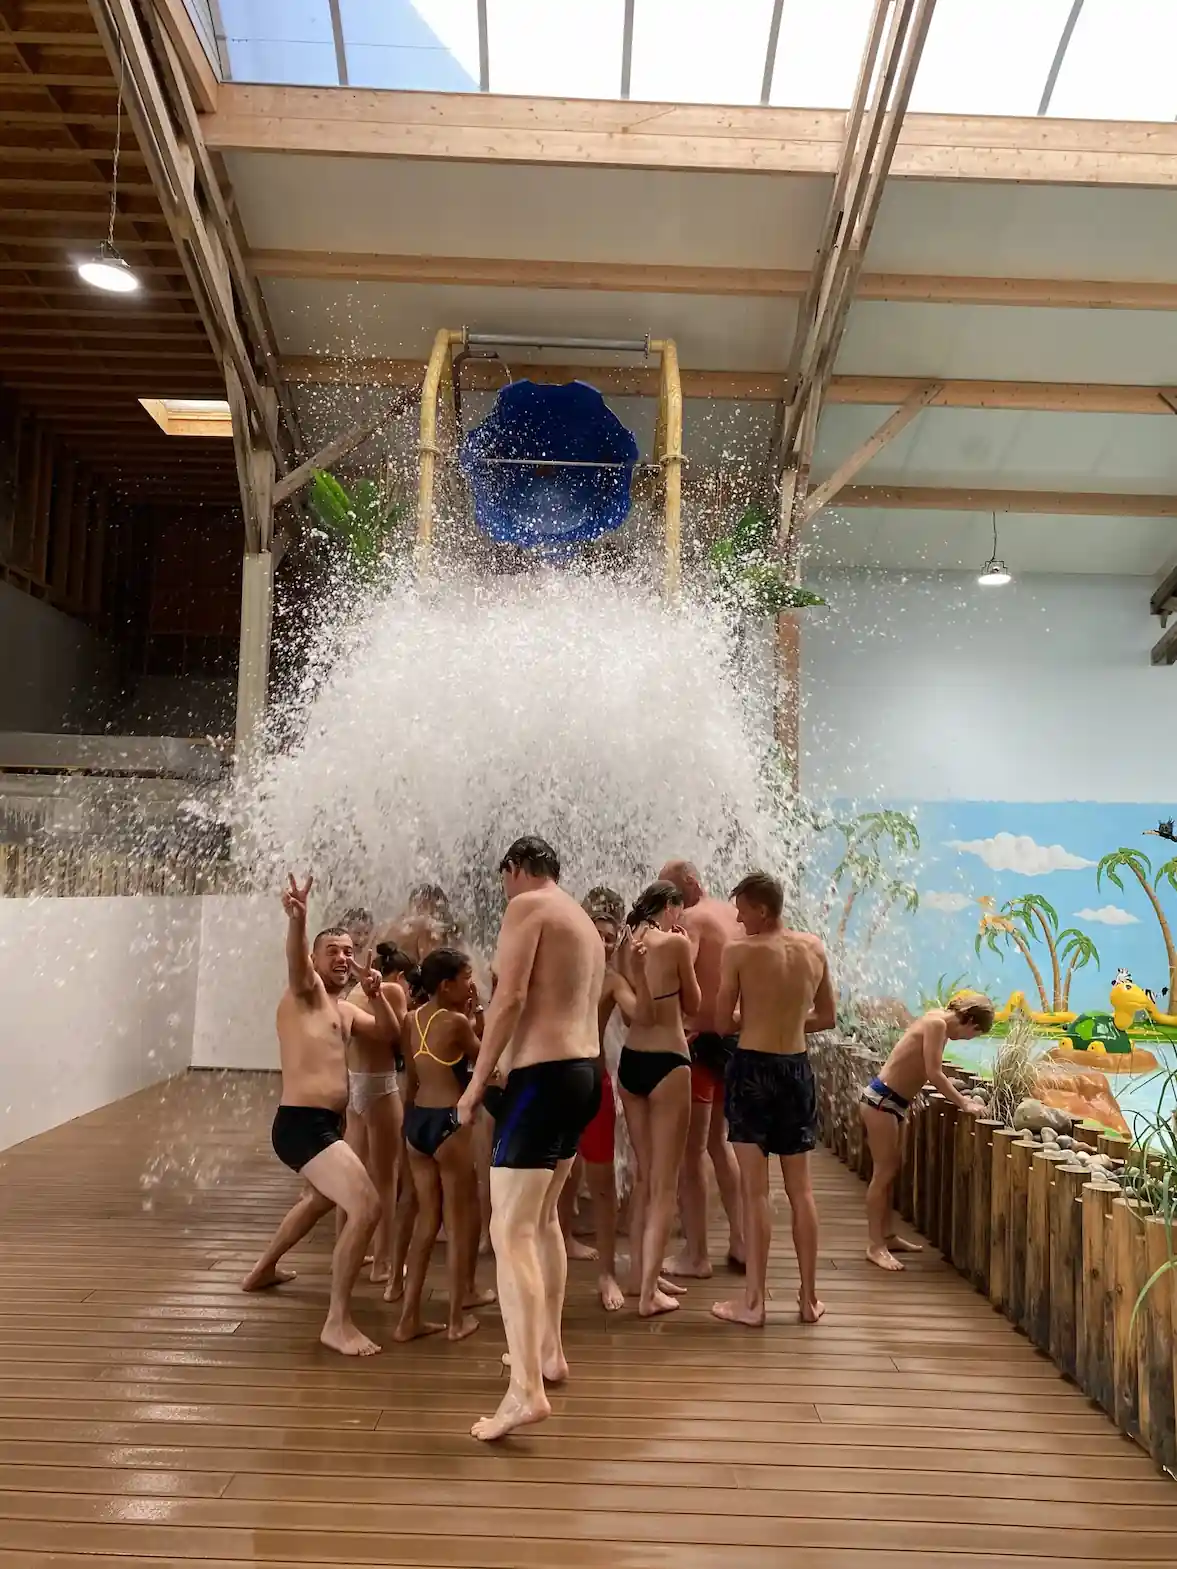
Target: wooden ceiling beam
{"type": "Point", "coordinates": [748, 386]}
{"type": "Point", "coordinates": [675, 278]}
{"type": "Point", "coordinates": [473, 127]}
{"type": "Point", "coordinates": [1059, 503]}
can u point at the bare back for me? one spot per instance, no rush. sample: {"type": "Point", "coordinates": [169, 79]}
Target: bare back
{"type": "Point", "coordinates": [778, 974]}
{"type": "Point", "coordinates": [313, 1037]}
{"type": "Point", "coordinates": [551, 955]}
{"type": "Point", "coordinates": [710, 924]}
{"type": "Point", "coordinates": [668, 955]}
{"type": "Point", "coordinates": [906, 1069]}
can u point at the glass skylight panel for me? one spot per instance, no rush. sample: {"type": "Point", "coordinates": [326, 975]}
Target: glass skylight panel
{"type": "Point", "coordinates": [1121, 64]}
{"type": "Point", "coordinates": [556, 48]}
{"type": "Point", "coordinates": [818, 53]}
{"type": "Point", "coordinates": [701, 51]}
{"type": "Point", "coordinates": [431, 45]}
{"type": "Point", "coordinates": [991, 58]}
{"type": "Point", "coordinates": [280, 41]}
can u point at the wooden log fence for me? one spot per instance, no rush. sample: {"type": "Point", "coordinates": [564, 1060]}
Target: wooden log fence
{"type": "Point", "coordinates": [1057, 1248]}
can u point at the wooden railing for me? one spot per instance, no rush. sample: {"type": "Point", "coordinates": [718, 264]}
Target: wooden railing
{"type": "Point", "coordinates": [1062, 1252]}
{"type": "Point", "coordinates": [27, 871]}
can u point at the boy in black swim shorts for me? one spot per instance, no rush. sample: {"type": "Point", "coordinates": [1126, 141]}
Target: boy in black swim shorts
{"type": "Point", "coordinates": [778, 983]}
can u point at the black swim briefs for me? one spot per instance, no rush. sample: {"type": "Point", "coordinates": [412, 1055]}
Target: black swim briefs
{"type": "Point", "coordinates": [428, 1127]}
{"type": "Point", "coordinates": [770, 1100]}
{"type": "Point", "coordinates": [302, 1132]}
{"type": "Point", "coordinates": [712, 1051]}
{"type": "Point", "coordinates": [546, 1107]}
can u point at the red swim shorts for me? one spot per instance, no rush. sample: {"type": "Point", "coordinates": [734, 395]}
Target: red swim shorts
{"type": "Point", "coordinates": [597, 1141]}
{"type": "Point", "coordinates": [706, 1088]}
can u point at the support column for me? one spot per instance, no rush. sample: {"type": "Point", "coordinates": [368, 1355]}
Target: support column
{"type": "Point", "coordinates": [253, 668]}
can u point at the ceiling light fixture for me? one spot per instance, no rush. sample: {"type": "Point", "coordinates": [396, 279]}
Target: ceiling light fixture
{"type": "Point", "coordinates": [108, 269]}
{"type": "Point", "coordinates": [994, 574]}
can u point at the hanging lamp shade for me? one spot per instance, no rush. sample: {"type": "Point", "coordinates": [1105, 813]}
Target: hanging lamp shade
{"type": "Point", "coordinates": [521, 499]}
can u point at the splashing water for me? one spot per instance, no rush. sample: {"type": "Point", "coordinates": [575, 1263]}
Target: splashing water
{"type": "Point", "coordinates": [437, 724]}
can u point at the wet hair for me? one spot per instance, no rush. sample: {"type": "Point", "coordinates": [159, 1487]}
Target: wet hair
{"type": "Point", "coordinates": [973, 1008]}
{"type": "Point", "coordinates": [357, 916]}
{"type": "Point", "coordinates": [431, 897]}
{"type": "Point", "coordinates": [442, 965]}
{"type": "Point", "coordinates": [651, 902]}
{"type": "Point", "coordinates": [391, 960]}
{"type": "Point", "coordinates": [330, 931]}
{"type": "Point", "coordinates": [532, 855]}
{"type": "Point", "coordinates": [761, 889]}
{"type": "Point", "coordinates": [602, 904]}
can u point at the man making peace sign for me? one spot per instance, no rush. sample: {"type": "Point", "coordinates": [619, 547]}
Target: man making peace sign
{"type": "Point", "coordinates": [315, 1025]}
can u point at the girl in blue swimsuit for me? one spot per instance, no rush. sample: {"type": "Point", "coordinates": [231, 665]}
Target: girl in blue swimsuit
{"type": "Point", "coordinates": [438, 1044]}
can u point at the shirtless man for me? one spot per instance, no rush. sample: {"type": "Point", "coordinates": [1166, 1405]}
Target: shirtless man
{"type": "Point", "coordinates": [916, 1059]}
{"type": "Point", "coordinates": [778, 983]}
{"type": "Point", "coordinates": [550, 966]}
{"type": "Point", "coordinates": [315, 1027]}
{"type": "Point", "coordinates": [710, 924]}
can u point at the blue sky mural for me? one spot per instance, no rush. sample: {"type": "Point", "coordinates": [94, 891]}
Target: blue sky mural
{"type": "Point", "coordinates": [974, 851]}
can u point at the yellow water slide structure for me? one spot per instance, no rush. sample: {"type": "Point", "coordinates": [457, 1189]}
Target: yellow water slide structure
{"type": "Point", "coordinates": [440, 434]}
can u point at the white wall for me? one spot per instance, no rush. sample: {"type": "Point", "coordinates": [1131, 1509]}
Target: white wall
{"type": "Point", "coordinates": [58, 675]}
{"type": "Point", "coordinates": [98, 1001]}
{"type": "Point", "coordinates": [242, 975]}
{"type": "Point", "coordinates": [928, 687]}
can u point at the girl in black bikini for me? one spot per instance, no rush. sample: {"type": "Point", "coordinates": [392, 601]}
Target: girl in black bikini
{"type": "Point", "coordinates": [655, 1082]}
{"type": "Point", "coordinates": [438, 1044]}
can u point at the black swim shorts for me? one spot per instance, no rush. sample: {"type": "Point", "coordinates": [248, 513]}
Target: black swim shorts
{"type": "Point", "coordinates": [546, 1107]}
{"type": "Point", "coordinates": [770, 1100]}
{"type": "Point", "coordinates": [302, 1132]}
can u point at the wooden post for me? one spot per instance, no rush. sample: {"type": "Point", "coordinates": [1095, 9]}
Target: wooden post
{"type": "Point", "coordinates": [1095, 1358]}
{"type": "Point", "coordinates": [1021, 1153]}
{"type": "Point", "coordinates": [1157, 1367]}
{"type": "Point", "coordinates": [905, 1183]}
{"type": "Point", "coordinates": [962, 1193]}
{"type": "Point", "coordinates": [1066, 1262]}
{"type": "Point", "coordinates": [999, 1213]}
{"type": "Point", "coordinates": [253, 671]}
{"type": "Point", "coordinates": [949, 1115]}
{"type": "Point", "coordinates": [1036, 1315]}
{"type": "Point", "coordinates": [929, 1199]}
{"type": "Point", "coordinates": [1127, 1249]}
{"type": "Point", "coordinates": [984, 1129]}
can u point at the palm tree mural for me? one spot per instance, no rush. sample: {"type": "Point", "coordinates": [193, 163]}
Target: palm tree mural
{"type": "Point", "coordinates": [997, 926]}
{"type": "Point", "coordinates": [1077, 951]}
{"type": "Point", "coordinates": [1136, 862]}
{"type": "Point", "coordinates": [1029, 908]}
{"type": "Point", "coordinates": [870, 838]}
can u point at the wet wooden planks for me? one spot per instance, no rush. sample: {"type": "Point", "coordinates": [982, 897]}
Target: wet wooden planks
{"type": "Point", "coordinates": [152, 1414]}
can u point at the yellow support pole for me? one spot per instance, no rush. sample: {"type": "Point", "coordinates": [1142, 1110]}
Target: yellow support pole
{"type": "Point", "coordinates": [670, 424]}
{"type": "Point", "coordinates": [427, 452]}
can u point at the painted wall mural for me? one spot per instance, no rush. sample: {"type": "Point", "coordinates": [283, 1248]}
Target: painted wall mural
{"type": "Point", "coordinates": [1064, 912]}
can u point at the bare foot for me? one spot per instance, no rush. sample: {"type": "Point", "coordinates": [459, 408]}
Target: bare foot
{"type": "Point", "coordinates": [349, 1341]}
{"type": "Point", "coordinates": [476, 1299]}
{"type": "Point", "coordinates": [260, 1279]}
{"type": "Point", "coordinates": [658, 1303]}
{"type": "Point", "coordinates": [883, 1258]}
{"type": "Point", "coordinates": [899, 1244]}
{"type": "Point", "coordinates": [554, 1369]}
{"type": "Point", "coordinates": [579, 1251]}
{"type": "Point", "coordinates": [513, 1412]}
{"type": "Point", "coordinates": [737, 1311]}
{"type": "Point", "coordinates": [810, 1312]}
{"type": "Point", "coordinates": [688, 1268]}
{"type": "Point", "coordinates": [414, 1328]}
{"type": "Point", "coordinates": [465, 1327]}
{"type": "Point", "coordinates": [668, 1288]}
{"type": "Point", "coordinates": [611, 1294]}
{"type": "Point", "coordinates": [395, 1289]}
{"type": "Point", "coordinates": [380, 1272]}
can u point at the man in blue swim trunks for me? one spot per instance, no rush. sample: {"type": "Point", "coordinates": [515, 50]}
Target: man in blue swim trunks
{"type": "Point", "coordinates": [778, 983]}
{"type": "Point", "coordinates": [916, 1059]}
{"type": "Point", "coordinates": [550, 965]}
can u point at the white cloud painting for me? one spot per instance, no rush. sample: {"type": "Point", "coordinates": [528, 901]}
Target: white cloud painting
{"type": "Point", "coordinates": [1108, 915]}
{"type": "Point", "coordinates": [946, 903]}
{"type": "Point", "coordinates": [1020, 853]}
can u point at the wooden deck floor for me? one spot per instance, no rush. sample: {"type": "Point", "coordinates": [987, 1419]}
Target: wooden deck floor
{"type": "Point", "coordinates": [150, 1411]}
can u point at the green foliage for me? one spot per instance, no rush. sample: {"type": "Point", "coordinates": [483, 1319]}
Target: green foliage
{"type": "Point", "coordinates": [1168, 874]}
{"type": "Point", "coordinates": [945, 991]}
{"type": "Point", "coordinates": [1023, 909]}
{"type": "Point", "coordinates": [361, 522]}
{"type": "Point", "coordinates": [1134, 861]}
{"type": "Point", "coordinates": [746, 574]}
{"type": "Point", "coordinates": [1152, 1177]}
{"type": "Point", "coordinates": [1076, 949]}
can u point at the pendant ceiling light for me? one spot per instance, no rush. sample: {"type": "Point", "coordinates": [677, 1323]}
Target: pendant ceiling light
{"type": "Point", "coordinates": [994, 574]}
{"type": "Point", "coordinates": [108, 269]}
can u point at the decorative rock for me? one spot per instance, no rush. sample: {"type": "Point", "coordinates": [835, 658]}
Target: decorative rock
{"type": "Point", "coordinates": [1031, 1116]}
{"type": "Point", "coordinates": [1065, 1141]}
{"type": "Point", "coordinates": [1058, 1119]}
{"type": "Point", "coordinates": [1049, 1136]}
